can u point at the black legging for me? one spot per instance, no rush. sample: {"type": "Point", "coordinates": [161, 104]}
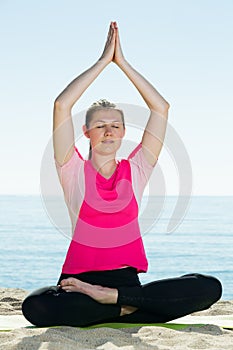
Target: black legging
{"type": "Point", "coordinates": [159, 301]}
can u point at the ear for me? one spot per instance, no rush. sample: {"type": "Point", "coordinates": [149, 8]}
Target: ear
{"type": "Point", "coordinates": [85, 131]}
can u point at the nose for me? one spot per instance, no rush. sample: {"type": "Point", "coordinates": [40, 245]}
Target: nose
{"type": "Point", "coordinates": [108, 130]}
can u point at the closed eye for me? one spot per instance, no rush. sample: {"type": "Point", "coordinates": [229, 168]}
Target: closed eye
{"type": "Point", "coordinates": [102, 126]}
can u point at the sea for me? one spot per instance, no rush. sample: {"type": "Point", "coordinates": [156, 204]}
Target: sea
{"type": "Point", "coordinates": [33, 248]}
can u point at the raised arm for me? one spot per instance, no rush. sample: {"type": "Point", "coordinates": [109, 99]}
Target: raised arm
{"type": "Point", "coordinates": [63, 131]}
{"type": "Point", "coordinates": [153, 136]}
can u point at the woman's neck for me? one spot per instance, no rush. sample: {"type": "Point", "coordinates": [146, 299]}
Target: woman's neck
{"type": "Point", "coordinates": [104, 165]}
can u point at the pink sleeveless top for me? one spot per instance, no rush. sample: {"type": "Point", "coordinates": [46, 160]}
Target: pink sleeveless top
{"type": "Point", "coordinates": [104, 214]}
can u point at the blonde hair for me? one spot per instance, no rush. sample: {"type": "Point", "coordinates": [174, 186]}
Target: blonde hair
{"type": "Point", "coordinates": [100, 105]}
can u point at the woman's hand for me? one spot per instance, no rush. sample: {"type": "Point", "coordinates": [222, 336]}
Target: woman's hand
{"type": "Point", "coordinates": [108, 53]}
{"type": "Point", "coordinates": [112, 50]}
{"type": "Point", "coordinates": [118, 57]}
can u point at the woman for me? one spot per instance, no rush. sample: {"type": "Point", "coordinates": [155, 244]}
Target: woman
{"type": "Point", "coordinates": [99, 280]}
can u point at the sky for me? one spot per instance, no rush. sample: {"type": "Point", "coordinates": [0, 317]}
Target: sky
{"type": "Point", "coordinates": [184, 48]}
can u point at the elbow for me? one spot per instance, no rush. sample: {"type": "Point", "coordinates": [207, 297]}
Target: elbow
{"type": "Point", "coordinates": [165, 106]}
{"type": "Point", "coordinates": [61, 104]}
{"type": "Point", "coordinates": [162, 109]}
{"type": "Point", "coordinates": [58, 104]}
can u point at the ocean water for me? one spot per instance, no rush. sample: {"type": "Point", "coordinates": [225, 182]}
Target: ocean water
{"type": "Point", "coordinates": [33, 250]}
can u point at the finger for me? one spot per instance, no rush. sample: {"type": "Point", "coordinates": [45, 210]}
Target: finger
{"type": "Point", "coordinates": [111, 33]}
{"type": "Point", "coordinates": [117, 31]}
{"type": "Point", "coordinates": [109, 39]}
{"type": "Point", "coordinates": [117, 37]}
{"type": "Point", "coordinates": [111, 29]}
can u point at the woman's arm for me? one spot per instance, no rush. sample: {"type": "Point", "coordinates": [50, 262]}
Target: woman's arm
{"type": "Point", "coordinates": [63, 131]}
{"type": "Point", "coordinates": [153, 137]}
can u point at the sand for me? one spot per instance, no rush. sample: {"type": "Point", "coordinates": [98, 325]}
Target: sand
{"type": "Point", "coordinates": [210, 336]}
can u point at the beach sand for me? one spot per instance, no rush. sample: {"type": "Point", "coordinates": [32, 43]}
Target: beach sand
{"type": "Point", "coordinates": [209, 336]}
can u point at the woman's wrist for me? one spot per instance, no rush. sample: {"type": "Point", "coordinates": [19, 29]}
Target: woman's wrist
{"type": "Point", "coordinates": [122, 63]}
{"type": "Point", "coordinates": [103, 61]}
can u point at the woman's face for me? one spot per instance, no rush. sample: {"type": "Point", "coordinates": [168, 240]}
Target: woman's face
{"type": "Point", "coordinates": [105, 131]}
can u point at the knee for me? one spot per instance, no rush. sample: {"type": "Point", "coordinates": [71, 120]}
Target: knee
{"type": "Point", "coordinates": [31, 310]}
{"type": "Point", "coordinates": [35, 306]}
{"type": "Point", "coordinates": [212, 286]}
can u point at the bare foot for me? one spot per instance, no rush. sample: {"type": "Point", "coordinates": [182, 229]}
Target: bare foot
{"type": "Point", "coordinates": [101, 294]}
{"type": "Point", "coordinates": [126, 310]}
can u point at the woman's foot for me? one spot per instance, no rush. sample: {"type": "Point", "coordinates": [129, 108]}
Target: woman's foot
{"type": "Point", "coordinates": [101, 294]}
{"type": "Point", "coordinates": [126, 310]}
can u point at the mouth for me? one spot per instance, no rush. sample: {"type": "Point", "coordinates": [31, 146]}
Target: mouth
{"type": "Point", "coordinates": [108, 141]}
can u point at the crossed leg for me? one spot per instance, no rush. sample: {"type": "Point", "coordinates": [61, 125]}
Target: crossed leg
{"type": "Point", "coordinates": [78, 303]}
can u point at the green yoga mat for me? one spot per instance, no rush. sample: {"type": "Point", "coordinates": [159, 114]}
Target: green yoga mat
{"type": "Point", "coordinates": [223, 321]}
{"type": "Point", "coordinates": [175, 326]}
{"type": "Point", "coordinates": [8, 323]}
